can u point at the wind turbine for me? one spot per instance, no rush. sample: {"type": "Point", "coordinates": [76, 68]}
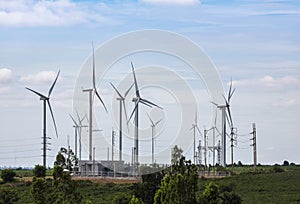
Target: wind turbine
{"type": "Point", "coordinates": [45, 100]}
{"type": "Point", "coordinates": [92, 92]}
{"type": "Point", "coordinates": [194, 128]}
{"type": "Point", "coordinates": [122, 103]}
{"type": "Point", "coordinates": [153, 125]}
{"type": "Point", "coordinates": [138, 99]}
{"type": "Point", "coordinates": [80, 126]}
{"type": "Point", "coordinates": [76, 127]}
{"type": "Point", "coordinates": [225, 108]}
{"type": "Point", "coordinates": [214, 128]}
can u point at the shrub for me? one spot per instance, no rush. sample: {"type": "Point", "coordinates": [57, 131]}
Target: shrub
{"type": "Point", "coordinates": [8, 196]}
{"type": "Point", "coordinates": [39, 171]}
{"type": "Point", "coordinates": [121, 199]}
{"type": "Point", "coordinates": [277, 169]}
{"type": "Point", "coordinates": [8, 175]}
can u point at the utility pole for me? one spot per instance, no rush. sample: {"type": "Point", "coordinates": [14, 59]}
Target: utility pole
{"type": "Point", "coordinates": [254, 146]}
{"type": "Point", "coordinates": [231, 139]}
{"type": "Point", "coordinates": [200, 153]}
{"type": "Point", "coordinates": [219, 150]}
{"type": "Point", "coordinates": [94, 161]}
{"type": "Point", "coordinates": [107, 153]}
{"type": "Point", "coordinates": [205, 153]}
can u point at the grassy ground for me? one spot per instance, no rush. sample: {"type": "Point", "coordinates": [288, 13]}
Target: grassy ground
{"type": "Point", "coordinates": [261, 187]}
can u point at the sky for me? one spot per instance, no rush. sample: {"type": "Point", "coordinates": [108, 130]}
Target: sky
{"type": "Point", "coordinates": [254, 42]}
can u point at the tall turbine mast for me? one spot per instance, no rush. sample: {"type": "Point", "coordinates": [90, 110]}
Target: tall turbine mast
{"type": "Point", "coordinates": [92, 92]}
{"type": "Point", "coordinates": [138, 99]}
{"type": "Point", "coordinates": [153, 125]}
{"type": "Point", "coordinates": [46, 100]}
{"type": "Point", "coordinates": [121, 98]}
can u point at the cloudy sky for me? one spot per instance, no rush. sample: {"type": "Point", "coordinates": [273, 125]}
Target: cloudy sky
{"type": "Point", "coordinates": [254, 42]}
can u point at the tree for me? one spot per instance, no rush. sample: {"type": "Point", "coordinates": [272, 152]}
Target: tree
{"type": "Point", "coordinates": [8, 196]}
{"type": "Point", "coordinates": [146, 190]}
{"type": "Point", "coordinates": [40, 191]}
{"type": "Point", "coordinates": [176, 154]}
{"type": "Point", "coordinates": [214, 194]}
{"type": "Point", "coordinates": [7, 175]}
{"type": "Point", "coordinates": [135, 200]}
{"type": "Point", "coordinates": [286, 163]}
{"type": "Point", "coordinates": [179, 185]}
{"type": "Point", "coordinates": [39, 171]}
{"type": "Point", "coordinates": [66, 159]}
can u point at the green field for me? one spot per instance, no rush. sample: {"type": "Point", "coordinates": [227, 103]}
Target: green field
{"type": "Point", "coordinates": [259, 187]}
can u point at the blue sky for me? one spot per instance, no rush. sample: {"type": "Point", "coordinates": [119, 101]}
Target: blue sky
{"type": "Point", "coordinates": [254, 42]}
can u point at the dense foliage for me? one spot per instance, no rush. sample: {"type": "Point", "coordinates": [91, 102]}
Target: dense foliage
{"type": "Point", "coordinates": [7, 175]}
{"type": "Point", "coordinates": [39, 171]}
{"type": "Point", "coordinates": [8, 196]}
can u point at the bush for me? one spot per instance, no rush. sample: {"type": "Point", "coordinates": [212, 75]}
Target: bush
{"type": "Point", "coordinates": [39, 171]}
{"type": "Point", "coordinates": [8, 196]}
{"type": "Point", "coordinates": [277, 169]}
{"type": "Point", "coordinates": [286, 163]}
{"type": "Point", "coordinates": [8, 175]}
{"type": "Point", "coordinates": [121, 199]}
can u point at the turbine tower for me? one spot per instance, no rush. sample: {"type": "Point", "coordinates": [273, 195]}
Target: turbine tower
{"type": "Point", "coordinates": [80, 126]}
{"type": "Point", "coordinates": [92, 92]}
{"type": "Point", "coordinates": [194, 128]}
{"type": "Point", "coordinates": [76, 127]}
{"type": "Point", "coordinates": [46, 100]}
{"type": "Point", "coordinates": [153, 125]}
{"type": "Point", "coordinates": [122, 103]}
{"type": "Point", "coordinates": [138, 99]}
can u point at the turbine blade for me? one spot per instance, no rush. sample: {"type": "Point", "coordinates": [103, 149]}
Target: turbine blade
{"type": "Point", "coordinates": [52, 117]}
{"type": "Point", "coordinates": [232, 93]}
{"type": "Point", "coordinates": [51, 88]}
{"type": "Point", "coordinates": [196, 117]}
{"type": "Point", "coordinates": [98, 96]}
{"type": "Point", "coordinates": [229, 92]}
{"type": "Point", "coordinates": [128, 90]}
{"type": "Point", "coordinates": [116, 90]}
{"type": "Point", "coordinates": [199, 130]}
{"type": "Point", "coordinates": [153, 104]}
{"type": "Point", "coordinates": [37, 93]}
{"type": "Point", "coordinates": [94, 75]}
{"type": "Point", "coordinates": [125, 111]}
{"type": "Point", "coordinates": [214, 103]}
{"type": "Point", "coordinates": [143, 102]}
{"type": "Point", "coordinates": [158, 122]}
{"type": "Point", "coordinates": [73, 120]}
{"type": "Point", "coordinates": [230, 118]}
{"type": "Point", "coordinates": [215, 122]}
{"type": "Point", "coordinates": [137, 92]}
{"type": "Point", "coordinates": [135, 107]}
{"type": "Point", "coordinates": [150, 119]}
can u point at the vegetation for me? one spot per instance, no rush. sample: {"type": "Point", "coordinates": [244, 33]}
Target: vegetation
{"type": "Point", "coordinates": [8, 196]}
{"type": "Point", "coordinates": [66, 158]}
{"type": "Point", "coordinates": [261, 186]}
{"type": "Point", "coordinates": [39, 171]}
{"type": "Point", "coordinates": [8, 175]}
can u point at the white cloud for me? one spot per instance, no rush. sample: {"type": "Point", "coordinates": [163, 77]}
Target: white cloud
{"type": "Point", "coordinates": [44, 13]}
{"type": "Point", "coordinates": [39, 78]}
{"type": "Point", "coordinates": [5, 76]}
{"type": "Point", "coordinates": [285, 103]}
{"type": "Point", "coordinates": [176, 2]}
{"type": "Point", "coordinates": [268, 82]}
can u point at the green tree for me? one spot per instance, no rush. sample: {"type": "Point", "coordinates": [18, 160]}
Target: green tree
{"type": "Point", "coordinates": [39, 171]}
{"type": "Point", "coordinates": [40, 191]}
{"type": "Point", "coordinates": [214, 194]}
{"type": "Point", "coordinates": [176, 154]}
{"type": "Point", "coordinates": [66, 159]}
{"type": "Point", "coordinates": [8, 196]}
{"type": "Point", "coordinates": [64, 187]}
{"type": "Point", "coordinates": [179, 185]}
{"type": "Point", "coordinates": [7, 175]}
{"type": "Point", "coordinates": [135, 200]}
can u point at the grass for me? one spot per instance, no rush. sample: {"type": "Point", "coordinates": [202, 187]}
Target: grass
{"type": "Point", "coordinates": [260, 187]}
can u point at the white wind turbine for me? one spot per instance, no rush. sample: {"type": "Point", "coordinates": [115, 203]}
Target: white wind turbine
{"type": "Point", "coordinates": [225, 108]}
{"type": "Point", "coordinates": [194, 128]}
{"type": "Point", "coordinates": [92, 92]}
{"type": "Point", "coordinates": [153, 125]}
{"type": "Point", "coordinates": [121, 98]}
{"type": "Point", "coordinates": [46, 100]}
{"type": "Point", "coordinates": [138, 99]}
